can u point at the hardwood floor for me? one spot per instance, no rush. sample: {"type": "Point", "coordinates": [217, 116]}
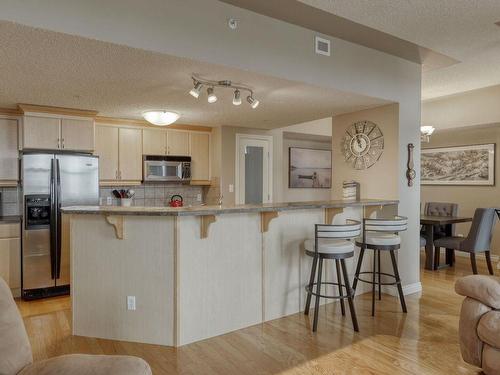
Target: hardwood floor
{"type": "Point", "coordinates": [424, 341]}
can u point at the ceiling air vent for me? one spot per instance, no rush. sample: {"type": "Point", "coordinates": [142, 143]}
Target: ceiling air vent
{"type": "Point", "coordinates": [322, 46]}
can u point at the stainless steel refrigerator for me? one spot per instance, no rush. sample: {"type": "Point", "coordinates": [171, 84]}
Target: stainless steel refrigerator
{"type": "Point", "coordinates": [51, 181]}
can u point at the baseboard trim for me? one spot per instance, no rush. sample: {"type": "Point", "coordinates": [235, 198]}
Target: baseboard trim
{"type": "Point", "coordinates": [462, 254]}
{"type": "Point", "coordinates": [407, 289]}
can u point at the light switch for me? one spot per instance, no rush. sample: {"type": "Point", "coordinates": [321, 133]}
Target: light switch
{"type": "Point", "coordinates": [231, 188]}
{"type": "Point", "coordinates": [130, 302]}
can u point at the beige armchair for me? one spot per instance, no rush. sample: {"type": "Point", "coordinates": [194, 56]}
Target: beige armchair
{"type": "Point", "coordinates": [16, 356]}
{"type": "Point", "coordinates": [479, 328]}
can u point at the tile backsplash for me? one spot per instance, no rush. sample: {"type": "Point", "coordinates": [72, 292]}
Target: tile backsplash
{"type": "Point", "coordinates": [145, 195]}
{"type": "Point", "coordinates": [155, 194]}
{"type": "Point", "coordinates": [10, 201]}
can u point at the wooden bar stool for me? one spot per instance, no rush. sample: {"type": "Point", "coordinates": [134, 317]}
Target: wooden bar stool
{"type": "Point", "coordinates": [381, 235]}
{"type": "Point", "coordinates": [332, 242]}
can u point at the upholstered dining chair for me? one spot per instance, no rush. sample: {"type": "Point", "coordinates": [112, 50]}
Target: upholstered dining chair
{"type": "Point", "coordinates": [477, 241]}
{"type": "Point", "coordinates": [441, 209]}
{"type": "Point", "coordinates": [16, 356]}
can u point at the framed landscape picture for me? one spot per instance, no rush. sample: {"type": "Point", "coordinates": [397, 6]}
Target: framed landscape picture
{"type": "Point", "coordinates": [459, 165]}
{"type": "Point", "coordinates": [309, 168]}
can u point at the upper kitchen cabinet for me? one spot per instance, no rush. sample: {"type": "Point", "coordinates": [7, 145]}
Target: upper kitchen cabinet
{"type": "Point", "coordinates": [77, 134]}
{"type": "Point", "coordinates": [51, 128]}
{"type": "Point", "coordinates": [178, 142]}
{"type": "Point", "coordinates": [154, 142]}
{"type": "Point", "coordinates": [106, 147]}
{"type": "Point", "coordinates": [9, 170]}
{"type": "Point", "coordinates": [120, 154]}
{"type": "Point", "coordinates": [41, 133]}
{"type": "Point", "coordinates": [200, 158]}
{"type": "Point", "coordinates": [130, 154]}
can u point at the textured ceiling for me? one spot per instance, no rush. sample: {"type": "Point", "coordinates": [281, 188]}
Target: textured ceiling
{"type": "Point", "coordinates": [462, 29]}
{"type": "Point", "coordinates": [49, 68]}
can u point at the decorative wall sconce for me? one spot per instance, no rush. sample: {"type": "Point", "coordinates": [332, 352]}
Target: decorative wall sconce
{"type": "Point", "coordinates": [426, 132]}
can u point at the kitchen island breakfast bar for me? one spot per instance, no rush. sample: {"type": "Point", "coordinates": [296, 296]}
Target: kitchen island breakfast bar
{"type": "Point", "coordinates": [173, 276]}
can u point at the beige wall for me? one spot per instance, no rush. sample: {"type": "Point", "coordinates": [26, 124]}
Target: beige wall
{"type": "Point", "coordinates": [380, 180]}
{"type": "Point", "coordinates": [468, 197]}
{"type": "Point", "coordinates": [476, 107]}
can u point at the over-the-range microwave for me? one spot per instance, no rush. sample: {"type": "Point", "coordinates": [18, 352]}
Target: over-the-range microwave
{"type": "Point", "coordinates": [167, 168]}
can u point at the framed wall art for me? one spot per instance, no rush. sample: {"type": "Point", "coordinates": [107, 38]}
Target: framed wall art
{"type": "Point", "coordinates": [309, 168]}
{"type": "Point", "coordinates": [458, 165]}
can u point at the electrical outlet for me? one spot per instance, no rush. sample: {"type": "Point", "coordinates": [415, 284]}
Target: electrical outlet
{"type": "Point", "coordinates": [109, 201]}
{"type": "Point", "coordinates": [198, 197]}
{"type": "Point", "coordinates": [130, 302]}
{"type": "Point", "coordinates": [231, 188]}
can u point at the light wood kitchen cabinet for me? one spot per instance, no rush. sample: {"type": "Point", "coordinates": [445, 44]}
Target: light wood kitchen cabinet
{"type": "Point", "coordinates": [106, 147]}
{"type": "Point", "coordinates": [178, 142]}
{"type": "Point", "coordinates": [154, 142]}
{"type": "Point", "coordinates": [9, 171]}
{"type": "Point", "coordinates": [10, 256]}
{"type": "Point", "coordinates": [120, 154]}
{"type": "Point", "coordinates": [55, 133]}
{"type": "Point", "coordinates": [77, 134]}
{"type": "Point", "coordinates": [200, 157]}
{"type": "Point", "coordinates": [130, 154]}
{"type": "Point", "coordinates": [41, 132]}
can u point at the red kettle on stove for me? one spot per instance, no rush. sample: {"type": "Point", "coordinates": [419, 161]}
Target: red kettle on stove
{"type": "Point", "coordinates": [176, 201]}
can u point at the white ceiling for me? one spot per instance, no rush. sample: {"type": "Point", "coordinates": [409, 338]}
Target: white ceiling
{"type": "Point", "coordinates": [462, 29]}
{"type": "Point", "coordinates": [48, 68]}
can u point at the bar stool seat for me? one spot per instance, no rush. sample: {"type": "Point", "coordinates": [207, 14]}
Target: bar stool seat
{"type": "Point", "coordinates": [380, 239]}
{"type": "Point", "coordinates": [329, 246]}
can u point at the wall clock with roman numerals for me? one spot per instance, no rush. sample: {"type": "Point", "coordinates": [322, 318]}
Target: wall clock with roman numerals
{"type": "Point", "coordinates": [363, 144]}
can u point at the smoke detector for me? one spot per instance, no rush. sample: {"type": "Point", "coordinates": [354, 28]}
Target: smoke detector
{"type": "Point", "coordinates": [232, 23]}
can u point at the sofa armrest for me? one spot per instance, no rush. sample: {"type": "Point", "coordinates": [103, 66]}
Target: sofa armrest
{"type": "Point", "coordinates": [485, 289]}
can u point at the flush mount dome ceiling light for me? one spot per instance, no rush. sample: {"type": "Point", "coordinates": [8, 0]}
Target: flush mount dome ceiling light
{"type": "Point", "coordinates": [160, 117]}
{"type": "Point", "coordinates": [198, 83]}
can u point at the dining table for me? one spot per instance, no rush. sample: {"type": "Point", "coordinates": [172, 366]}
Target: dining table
{"type": "Point", "coordinates": [429, 222]}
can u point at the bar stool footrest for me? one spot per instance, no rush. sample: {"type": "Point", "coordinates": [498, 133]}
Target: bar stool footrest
{"type": "Point", "coordinates": [308, 290]}
{"type": "Point", "coordinates": [376, 283]}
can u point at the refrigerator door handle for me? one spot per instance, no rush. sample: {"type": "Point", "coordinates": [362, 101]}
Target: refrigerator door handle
{"type": "Point", "coordinates": [58, 211]}
{"type": "Point", "coordinates": [53, 220]}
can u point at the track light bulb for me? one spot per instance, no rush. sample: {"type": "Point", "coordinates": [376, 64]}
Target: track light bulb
{"type": "Point", "coordinates": [237, 97]}
{"type": "Point", "coordinates": [211, 96]}
{"type": "Point", "coordinates": [195, 91]}
{"type": "Point", "coordinates": [254, 103]}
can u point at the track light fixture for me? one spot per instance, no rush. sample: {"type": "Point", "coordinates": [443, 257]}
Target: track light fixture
{"type": "Point", "coordinates": [254, 103]}
{"type": "Point", "coordinates": [237, 97]}
{"type": "Point", "coordinates": [212, 98]}
{"type": "Point", "coordinates": [195, 91]}
{"type": "Point", "coordinates": [198, 83]}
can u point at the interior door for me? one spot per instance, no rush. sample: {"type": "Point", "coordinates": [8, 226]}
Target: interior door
{"type": "Point", "coordinates": [254, 168]}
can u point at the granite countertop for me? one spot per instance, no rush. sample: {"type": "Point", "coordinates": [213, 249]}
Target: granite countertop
{"type": "Point", "coordinates": [10, 219]}
{"type": "Point", "coordinates": [218, 210]}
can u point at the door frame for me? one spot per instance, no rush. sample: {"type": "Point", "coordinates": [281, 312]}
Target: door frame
{"type": "Point", "coordinates": [239, 138]}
